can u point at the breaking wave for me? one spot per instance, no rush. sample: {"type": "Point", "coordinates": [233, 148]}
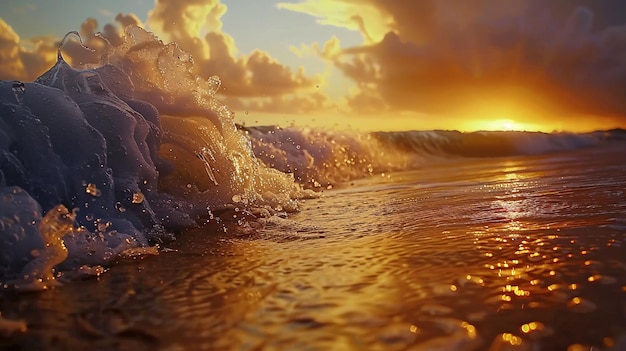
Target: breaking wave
{"type": "Point", "coordinates": [135, 148]}
{"type": "Point", "coordinates": [321, 158]}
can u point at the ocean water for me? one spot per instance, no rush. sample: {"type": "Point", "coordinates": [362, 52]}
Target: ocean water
{"type": "Point", "coordinates": [135, 214]}
{"type": "Point", "coordinates": [507, 253]}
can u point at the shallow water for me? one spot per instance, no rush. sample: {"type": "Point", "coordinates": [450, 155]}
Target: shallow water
{"type": "Point", "coordinates": [469, 254]}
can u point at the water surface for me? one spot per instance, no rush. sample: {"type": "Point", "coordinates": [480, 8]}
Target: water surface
{"type": "Point", "coordinates": [468, 254]}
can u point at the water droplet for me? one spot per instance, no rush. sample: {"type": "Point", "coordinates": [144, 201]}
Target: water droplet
{"type": "Point", "coordinates": [213, 83]}
{"type": "Point", "coordinates": [137, 198]}
{"type": "Point", "coordinates": [119, 207]}
{"type": "Point", "coordinates": [92, 190]}
{"type": "Point", "coordinates": [236, 198]}
{"type": "Point", "coordinates": [103, 226]}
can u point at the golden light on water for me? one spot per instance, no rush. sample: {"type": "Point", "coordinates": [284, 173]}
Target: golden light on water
{"type": "Point", "coordinates": [511, 339]}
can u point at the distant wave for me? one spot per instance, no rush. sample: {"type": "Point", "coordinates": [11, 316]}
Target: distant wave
{"type": "Point", "coordinates": [320, 158]}
{"type": "Point", "coordinates": [494, 143]}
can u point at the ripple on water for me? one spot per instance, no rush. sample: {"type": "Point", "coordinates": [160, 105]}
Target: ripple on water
{"type": "Point", "coordinates": [581, 305]}
{"type": "Point", "coordinates": [460, 335]}
{"type": "Point", "coordinates": [536, 330]}
{"type": "Point", "coordinates": [436, 310]}
{"type": "Point", "coordinates": [509, 342]}
{"type": "Point", "coordinates": [602, 279]}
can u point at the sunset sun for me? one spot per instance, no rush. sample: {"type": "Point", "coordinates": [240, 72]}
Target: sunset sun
{"type": "Point", "coordinates": [504, 124]}
{"type": "Point", "coordinates": [514, 113]}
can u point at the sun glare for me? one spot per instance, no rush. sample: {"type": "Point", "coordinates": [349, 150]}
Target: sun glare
{"type": "Point", "coordinates": [500, 115]}
{"type": "Point", "coordinates": [504, 124]}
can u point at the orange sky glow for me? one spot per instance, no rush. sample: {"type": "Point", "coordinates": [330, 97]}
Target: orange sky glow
{"type": "Point", "coordinates": [377, 65]}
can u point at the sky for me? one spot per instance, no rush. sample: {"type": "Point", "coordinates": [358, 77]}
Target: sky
{"type": "Point", "coordinates": [370, 64]}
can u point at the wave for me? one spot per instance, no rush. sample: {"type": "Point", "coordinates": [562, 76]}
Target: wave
{"type": "Point", "coordinates": [495, 143]}
{"type": "Point", "coordinates": [135, 147]}
{"type": "Point", "coordinates": [320, 158]}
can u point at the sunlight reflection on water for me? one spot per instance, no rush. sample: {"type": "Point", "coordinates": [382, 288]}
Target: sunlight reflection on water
{"type": "Point", "coordinates": [505, 254]}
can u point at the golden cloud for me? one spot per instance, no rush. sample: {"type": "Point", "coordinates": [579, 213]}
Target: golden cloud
{"type": "Point", "coordinates": [19, 62]}
{"type": "Point", "coordinates": [363, 16]}
{"type": "Point", "coordinates": [284, 104]}
{"type": "Point", "coordinates": [195, 25]}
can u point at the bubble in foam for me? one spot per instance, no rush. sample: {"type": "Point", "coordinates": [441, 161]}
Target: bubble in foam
{"type": "Point", "coordinates": [119, 207]}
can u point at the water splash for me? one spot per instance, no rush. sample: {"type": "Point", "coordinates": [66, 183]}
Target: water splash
{"type": "Point", "coordinates": [38, 274]}
{"type": "Point", "coordinates": [214, 83]}
{"type": "Point", "coordinates": [19, 89]}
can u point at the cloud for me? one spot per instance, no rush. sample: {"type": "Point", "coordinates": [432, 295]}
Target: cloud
{"type": "Point", "coordinates": [195, 25]}
{"type": "Point", "coordinates": [24, 8]}
{"type": "Point", "coordinates": [353, 15]}
{"type": "Point", "coordinates": [19, 63]}
{"type": "Point", "coordinates": [298, 104]}
{"type": "Point", "coordinates": [442, 56]}
{"type": "Point", "coordinates": [105, 12]}
{"type": "Point", "coordinates": [329, 50]}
